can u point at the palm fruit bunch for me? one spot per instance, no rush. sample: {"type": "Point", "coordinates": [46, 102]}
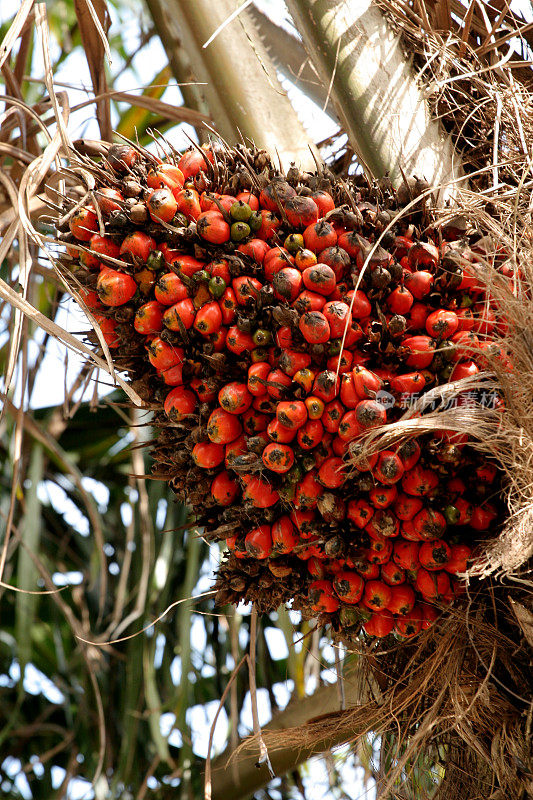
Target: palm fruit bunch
{"type": "Point", "coordinates": [257, 320]}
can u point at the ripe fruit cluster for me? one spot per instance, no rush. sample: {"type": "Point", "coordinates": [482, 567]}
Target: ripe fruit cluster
{"type": "Point", "coordinates": [268, 336]}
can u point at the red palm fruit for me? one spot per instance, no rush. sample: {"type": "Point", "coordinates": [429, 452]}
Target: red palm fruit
{"type": "Point", "coordinates": [170, 289]}
{"type": "Point", "coordinates": [304, 378]}
{"type": "Point", "coordinates": [403, 599]}
{"type": "Point", "coordinates": [162, 355]}
{"type": "Point", "coordinates": [257, 376]}
{"type": "Point", "coordinates": [429, 524]}
{"type": "Point", "coordinates": [410, 624]}
{"type": "Point", "coordinates": [235, 398]}
{"type": "Point", "coordinates": [417, 317]}
{"type": "Point", "coordinates": [359, 304]}
{"type": "Point", "coordinates": [320, 279]}
{"type": "Point", "coordinates": [308, 491]}
{"type": "Point", "coordinates": [320, 235]}
{"type": "Point", "coordinates": [420, 349]}
{"type": "Point", "coordinates": [275, 259]}
{"type": "Point", "coordinates": [380, 624]}
{"type": "Point", "coordinates": [370, 414]}
{"type": "Point", "coordinates": [179, 403]}
{"type": "Point", "coordinates": [459, 555]}
{"type": "Point", "coordinates": [194, 160]}
{"type": "Point", "coordinates": [405, 554]}
{"type": "Point", "coordinates": [442, 324]}
{"type": "Point", "coordinates": [258, 542]}
{"type": "Point", "coordinates": [324, 202]}
{"type": "Point", "coordinates": [383, 496]}
{"type": "Point", "coordinates": [301, 211]}
{"type": "Point", "coordinates": [400, 300]}
{"type": "Point", "coordinates": [278, 457]}
{"type": "Point", "coordinates": [326, 385]}
{"type": "Point", "coordinates": [256, 249]}
{"type": "Point", "coordinates": [205, 389]}
{"type": "Point", "coordinates": [283, 337]}
{"type": "Point", "coordinates": [349, 427]}
{"type": "Point", "coordinates": [280, 433]}
{"type": "Point", "coordinates": [208, 455]}
{"type": "Point", "coordinates": [104, 246]}
{"type": "Point", "coordinates": [465, 318]}
{"type": "Point", "coordinates": [332, 416]}
{"type": "Point", "coordinates": [259, 492]}
{"type": "Point", "coordinates": [410, 452]}
{"type": "Point", "coordinates": [321, 596]}
{"type": "Point", "coordinates": [287, 284]}
{"type": "Point", "coordinates": [348, 395]}
{"type": "Point", "coordinates": [429, 615]}
{"type": "Point", "coordinates": [368, 570]}
{"type": "Point", "coordinates": [419, 283]}
{"type": "Point", "coordinates": [314, 406]}
{"type": "Point", "coordinates": [409, 531]}
{"type": "Point", "coordinates": [276, 193]}
{"type": "Point", "coordinates": [236, 545]}
{"type": "Point", "coordinates": [238, 342]}
{"type": "Point", "coordinates": [483, 516]}
{"type": "Point", "coordinates": [423, 254]}
{"type": "Point", "coordinates": [255, 423]}
{"type": "Point", "coordinates": [348, 586]}
{"type": "Point", "coordinates": [339, 447]}
{"type": "Point", "coordinates": [162, 205]}
{"type": "Point", "coordinates": [336, 258]}
{"type": "Point", "coordinates": [218, 339]}
{"type": "Point", "coordinates": [465, 343]}
{"type": "Point", "coordinates": [212, 227]}
{"type": "Point", "coordinates": [149, 318]}
{"type": "Point", "coordinates": [464, 510]}
{"type": "Point", "coordinates": [486, 472]}
{"type": "Point", "coordinates": [138, 244]}
{"type": "Point", "coordinates": [90, 299]}
{"type": "Point", "coordinates": [107, 328]}
{"type": "Point", "coordinates": [249, 198]}
{"type": "Point", "coordinates": [383, 523]}
{"type": "Point", "coordinates": [304, 521]}
{"type": "Point", "coordinates": [188, 203]}
{"type": "Point", "coordinates": [165, 175]}
{"type": "Point", "coordinates": [409, 383]}
{"type": "Point", "coordinates": [211, 201]}
{"type": "Point", "coordinates": [269, 225]}
{"type": "Point", "coordinates": [366, 383]}
{"type": "Point", "coordinates": [309, 301]}
{"type": "Point", "coordinates": [402, 245]}
{"type": "Point", "coordinates": [339, 317]}
{"type": "Point", "coordinates": [246, 289]}
{"type": "Point", "coordinates": [208, 319]}
{"type": "Point", "coordinates": [284, 536]}
{"type": "Point", "coordinates": [311, 434]}
{"type": "Point", "coordinates": [341, 363]}
{"type": "Point", "coordinates": [432, 585]}
{"type": "Point", "coordinates": [484, 319]}
{"type": "Point", "coordinates": [84, 224]}
{"type": "Point", "coordinates": [173, 376]}
{"type": "Point", "coordinates": [434, 555]}
{"type": "Point", "coordinates": [304, 258]}
{"type": "Point", "coordinates": [224, 489]}
{"type": "Point", "coordinates": [277, 383]}
{"type": "Point", "coordinates": [389, 468]}
{"type": "Point", "coordinates": [392, 574]}
{"type": "Point", "coordinates": [465, 369]}
{"type": "Point", "coordinates": [314, 327]}
{"type": "Point", "coordinates": [316, 568]}
{"type": "Point", "coordinates": [292, 361]}
{"type": "Point", "coordinates": [180, 315]}
{"type": "Point", "coordinates": [379, 551]}
{"type": "Point", "coordinates": [228, 305]}
{"type": "Point", "coordinates": [222, 427]}
{"type": "Point", "coordinates": [377, 595]}
{"type": "Point", "coordinates": [406, 508]}
{"type": "Point", "coordinates": [186, 264]}
{"type": "Point", "coordinates": [456, 485]}
{"type": "Point", "coordinates": [237, 447]}
{"type": "Point", "coordinates": [109, 200]}
{"type": "Point", "coordinates": [291, 413]}
{"type": "Point", "coordinates": [360, 512]}
{"type": "Point", "coordinates": [219, 268]}
{"type": "Point", "coordinates": [115, 288]}
{"type": "Point", "coordinates": [331, 474]}
{"type": "Point", "coordinates": [419, 481]}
